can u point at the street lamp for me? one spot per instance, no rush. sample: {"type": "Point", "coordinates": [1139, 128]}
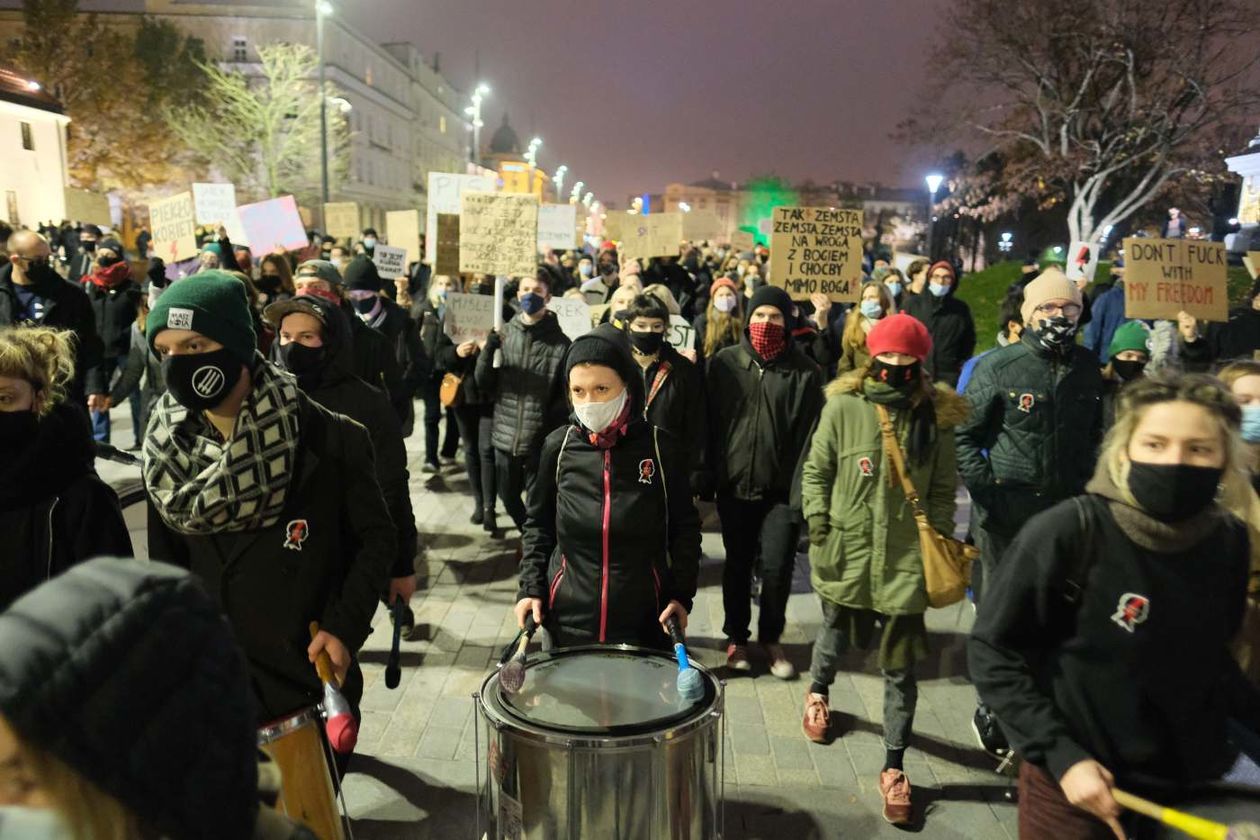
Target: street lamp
{"type": "Point", "coordinates": [558, 179]}
{"type": "Point", "coordinates": [933, 184]}
{"type": "Point", "coordinates": [684, 206]}
{"type": "Point", "coordinates": [531, 156]}
{"type": "Point", "coordinates": [587, 199]}
{"type": "Point", "coordinates": [577, 192]}
{"type": "Point", "coordinates": [474, 111]}
{"type": "Point", "coordinates": [322, 10]}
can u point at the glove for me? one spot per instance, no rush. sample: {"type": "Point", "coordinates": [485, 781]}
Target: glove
{"type": "Point", "coordinates": [819, 527]}
{"type": "Point", "coordinates": [494, 341]}
{"type": "Point", "coordinates": [157, 272]}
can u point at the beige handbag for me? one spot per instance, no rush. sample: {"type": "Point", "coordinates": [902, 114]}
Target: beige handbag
{"type": "Point", "coordinates": [946, 561]}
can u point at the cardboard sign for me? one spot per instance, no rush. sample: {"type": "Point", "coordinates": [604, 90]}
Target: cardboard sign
{"type": "Point", "coordinates": [743, 240]}
{"type": "Point", "coordinates": [214, 204]}
{"type": "Point", "coordinates": [1082, 261]}
{"type": "Point", "coordinates": [87, 207]}
{"type": "Point", "coordinates": [445, 190]}
{"type": "Point", "coordinates": [701, 226]}
{"type": "Point", "coordinates": [902, 262]}
{"type": "Point", "coordinates": [817, 249]}
{"type": "Point", "coordinates": [341, 219]}
{"type": "Point", "coordinates": [498, 233]}
{"type": "Point", "coordinates": [402, 229]}
{"type": "Point", "coordinates": [447, 244]}
{"type": "Point", "coordinates": [273, 224]}
{"type": "Point", "coordinates": [1251, 261]}
{"type": "Point", "coordinates": [174, 227]}
{"type": "Point", "coordinates": [1165, 276]}
{"type": "Point", "coordinates": [468, 317]}
{"type": "Point", "coordinates": [574, 316]}
{"type": "Point", "coordinates": [656, 235]}
{"type": "Point", "coordinates": [557, 227]}
{"type": "Point", "coordinates": [681, 335]}
{"type": "Point", "coordinates": [614, 226]}
{"type": "Point", "coordinates": [390, 262]}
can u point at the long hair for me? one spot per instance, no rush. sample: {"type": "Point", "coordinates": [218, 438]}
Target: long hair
{"type": "Point", "coordinates": [433, 289]}
{"type": "Point", "coordinates": [42, 356]}
{"type": "Point", "coordinates": [281, 264]}
{"type": "Point", "coordinates": [854, 335]}
{"type": "Point", "coordinates": [722, 329]}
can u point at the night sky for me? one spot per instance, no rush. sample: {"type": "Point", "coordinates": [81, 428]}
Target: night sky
{"type": "Point", "coordinates": [634, 94]}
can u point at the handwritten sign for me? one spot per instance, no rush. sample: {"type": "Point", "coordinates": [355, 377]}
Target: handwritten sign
{"type": "Point", "coordinates": [468, 317]}
{"type": "Point", "coordinates": [445, 190]}
{"type": "Point", "coordinates": [273, 224]}
{"type": "Point", "coordinates": [498, 233]}
{"type": "Point", "coordinates": [1251, 261]}
{"type": "Point", "coordinates": [390, 261]}
{"type": "Point", "coordinates": [1082, 261]}
{"type": "Point", "coordinates": [1165, 276]}
{"type": "Point", "coordinates": [402, 228]}
{"type": "Point", "coordinates": [341, 219]}
{"type": "Point", "coordinates": [574, 316]}
{"type": "Point", "coordinates": [88, 207]}
{"type": "Point", "coordinates": [615, 225]}
{"type": "Point", "coordinates": [681, 335]}
{"type": "Point", "coordinates": [701, 225]}
{"type": "Point", "coordinates": [447, 244]}
{"type": "Point", "coordinates": [557, 227]}
{"type": "Point", "coordinates": [743, 240]}
{"type": "Point", "coordinates": [817, 249]}
{"type": "Point", "coordinates": [214, 204]}
{"type": "Point", "coordinates": [174, 227]}
{"type": "Point", "coordinates": [656, 235]}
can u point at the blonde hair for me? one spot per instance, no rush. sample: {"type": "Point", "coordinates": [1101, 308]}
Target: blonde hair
{"type": "Point", "coordinates": [89, 812]}
{"type": "Point", "coordinates": [1236, 370]}
{"type": "Point", "coordinates": [854, 336]}
{"type": "Point", "coordinates": [723, 329]}
{"type": "Point", "coordinates": [662, 293]}
{"type": "Point", "coordinates": [41, 356]}
{"type": "Point", "coordinates": [433, 289]}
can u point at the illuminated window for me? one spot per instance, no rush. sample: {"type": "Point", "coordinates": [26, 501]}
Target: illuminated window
{"type": "Point", "coordinates": [240, 49]}
{"type": "Point", "coordinates": [28, 138]}
{"type": "Point", "coordinates": [442, 124]}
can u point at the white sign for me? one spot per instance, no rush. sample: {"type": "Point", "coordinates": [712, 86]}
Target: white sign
{"type": "Point", "coordinates": [902, 262]}
{"type": "Point", "coordinates": [1082, 261]}
{"type": "Point", "coordinates": [469, 317]}
{"type": "Point", "coordinates": [215, 204]}
{"type": "Point", "coordinates": [390, 262]}
{"type": "Point", "coordinates": [445, 189]}
{"type": "Point", "coordinates": [574, 315]}
{"type": "Point", "coordinates": [681, 335]}
{"type": "Point", "coordinates": [557, 227]}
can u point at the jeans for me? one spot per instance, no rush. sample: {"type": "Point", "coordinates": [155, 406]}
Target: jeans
{"type": "Point", "coordinates": [515, 475]}
{"type": "Point", "coordinates": [431, 389]}
{"type": "Point", "coordinates": [474, 427]}
{"type": "Point", "coordinates": [100, 419]}
{"type": "Point", "coordinates": [901, 689]}
{"type": "Point", "coordinates": [765, 528]}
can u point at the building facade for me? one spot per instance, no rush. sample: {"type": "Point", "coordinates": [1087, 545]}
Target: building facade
{"type": "Point", "coordinates": [32, 153]}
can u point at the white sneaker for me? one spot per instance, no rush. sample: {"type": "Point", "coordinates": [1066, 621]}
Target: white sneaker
{"type": "Point", "coordinates": [779, 665]}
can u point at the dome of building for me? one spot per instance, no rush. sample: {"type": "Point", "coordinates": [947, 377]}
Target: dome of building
{"type": "Point", "coordinates": [505, 141]}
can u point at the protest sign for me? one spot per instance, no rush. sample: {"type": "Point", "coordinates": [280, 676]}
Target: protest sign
{"type": "Point", "coordinates": [214, 204]}
{"type": "Point", "coordinates": [574, 316]}
{"type": "Point", "coordinates": [390, 262]}
{"type": "Point", "coordinates": [498, 233]}
{"type": "Point", "coordinates": [701, 226]}
{"type": "Point", "coordinates": [468, 317]}
{"type": "Point", "coordinates": [174, 228]}
{"type": "Point", "coordinates": [743, 240]}
{"type": "Point", "coordinates": [1251, 261]}
{"type": "Point", "coordinates": [557, 227]}
{"type": "Point", "coordinates": [656, 235]}
{"type": "Point", "coordinates": [817, 249]}
{"type": "Point", "coordinates": [1165, 276]}
{"type": "Point", "coordinates": [447, 244]}
{"type": "Point", "coordinates": [402, 229]}
{"type": "Point", "coordinates": [614, 226]}
{"type": "Point", "coordinates": [273, 224]}
{"type": "Point", "coordinates": [87, 207]}
{"type": "Point", "coordinates": [1082, 261]}
{"type": "Point", "coordinates": [445, 189]}
{"type": "Point", "coordinates": [902, 262]}
{"type": "Point", "coordinates": [341, 219]}
{"type": "Point", "coordinates": [681, 335]}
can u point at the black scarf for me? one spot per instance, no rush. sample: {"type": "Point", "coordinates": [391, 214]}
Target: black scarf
{"type": "Point", "coordinates": [922, 413]}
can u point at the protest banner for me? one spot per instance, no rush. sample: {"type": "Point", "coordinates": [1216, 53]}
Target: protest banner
{"type": "Point", "coordinates": [557, 227]}
{"type": "Point", "coordinates": [614, 226]}
{"type": "Point", "coordinates": [1251, 261]}
{"type": "Point", "coordinates": [402, 229]}
{"type": "Point", "coordinates": [681, 335]}
{"type": "Point", "coordinates": [174, 228]}
{"type": "Point", "coordinates": [743, 240]}
{"type": "Point", "coordinates": [498, 233]}
{"type": "Point", "coordinates": [817, 249]}
{"type": "Point", "coordinates": [447, 244]}
{"type": "Point", "coordinates": [214, 204]}
{"type": "Point", "coordinates": [468, 317]}
{"type": "Point", "coordinates": [574, 316]}
{"type": "Point", "coordinates": [656, 235]}
{"type": "Point", "coordinates": [445, 189]}
{"type": "Point", "coordinates": [273, 224]}
{"type": "Point", "coordinates": [902, 262]}
{"type": "Point", "coordinates": [390, 262]}
{"type": "Point", "coordinates": [341, 219]}
{"type": "Point", "coordinates": [701, 226]}
{"type": "Point", "coordinates": [1082, 261]}
{"type": "Point", "coordinates": [1165, 276]}
{"type": "Point", "coordinates": [87, 207]}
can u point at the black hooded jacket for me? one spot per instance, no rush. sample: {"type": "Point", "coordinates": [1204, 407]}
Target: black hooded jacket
{"type": "Point", "coordinates": [678, 406]}
{"type": "Point", "coordinates": [68, 309]}
{"type": "Point", "coordinates": [528, 388]}
{"type": "Point", "coordinates": [953, 332]}
{"type": "Point", "coordinates": [612, 535]}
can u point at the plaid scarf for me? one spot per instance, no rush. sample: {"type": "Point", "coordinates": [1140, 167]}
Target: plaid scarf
{"type": "Point", "coordinates": [201, 485]}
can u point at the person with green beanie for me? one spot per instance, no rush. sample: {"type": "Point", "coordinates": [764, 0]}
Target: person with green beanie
{"type": "Point", "coordinates": [271, 500]}
{"type": "Point", "coordinates": [1127, 356]}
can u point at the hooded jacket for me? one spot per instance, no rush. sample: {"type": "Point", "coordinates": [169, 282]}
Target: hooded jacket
{"type": "Point", "coordinates": [528, 388]}
{"type": "Point", "coordinates": [67, 309]}
{"type": "Point", "coordinates": [677, 404]}
{"type": "Point", "coordinates": [612, 535]}
{"type": "Point", "coordinates": [400, 331]}
{"type": "Point", "coordinates": [115, 310]}
{"type": "Point", "coordinates": [953, 332]}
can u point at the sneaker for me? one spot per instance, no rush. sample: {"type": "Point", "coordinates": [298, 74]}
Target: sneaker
{"type": "Point", "coordinates": [895, 788]}
{"type": "Point", "coordinates": [478, 516]}
{"type": "Point", "coordinates": [988, 733]}
{"type": "Point", "coordinates": [491, 522]}
{"type": "Point", "coordinates": [779, 665]}
{"type": "Point", "coordinates": [447, 460]}
{"type": "Point", "coordinates": [817, 721]}
{"type": "Point", "coordinates": [430, 468]}
{"type": "Point", "coordinates": [737, 658]}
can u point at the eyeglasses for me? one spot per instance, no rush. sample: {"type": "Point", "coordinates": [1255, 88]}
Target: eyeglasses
{"type": "Point", "coordinates": [1071, 310]}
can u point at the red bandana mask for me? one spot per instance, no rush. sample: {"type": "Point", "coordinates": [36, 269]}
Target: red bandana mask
{"type": "Point", "coordinates": [767, 339]}
{"type": "Point", "coordinates": [109, 276]}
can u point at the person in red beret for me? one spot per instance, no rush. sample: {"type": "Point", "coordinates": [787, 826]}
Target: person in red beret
{"type": "Point", "coordinates": [864, 554]}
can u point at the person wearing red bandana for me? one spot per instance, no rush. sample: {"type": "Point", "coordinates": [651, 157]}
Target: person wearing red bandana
{"type": "Point", "coordinates": [115, 300]}
{"type": "Point", "coordinates": [764, 396]}
{"type": "Point", "coordinates": [612, 538]}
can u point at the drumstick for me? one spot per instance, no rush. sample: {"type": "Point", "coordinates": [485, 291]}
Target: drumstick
{"type": "Point", "coordinates": [512, 675]}
{"type": "Point", "coordinates": [690, 683]}
{"type": "Point", "coordinates": [393, 673]}
{"type": "Point", "coordinates": [1187, 824]}
{"type": "Point", "coordinates": [339, 723]}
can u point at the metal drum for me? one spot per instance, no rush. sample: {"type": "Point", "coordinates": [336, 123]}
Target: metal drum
{"type": "Point", "coordinates": [306, 790]}
{"type": "Point", "coordinates": [598, 743]}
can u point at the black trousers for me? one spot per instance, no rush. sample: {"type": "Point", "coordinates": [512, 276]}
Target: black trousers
{"type": "Point", "coordinates": [474, 427]}
{"type": "Point", "coordinates": [769, 529]}
{"type": "Point", "coordinates": [515, 474]}
{"type": "Point", "coordinates": [431, 390]}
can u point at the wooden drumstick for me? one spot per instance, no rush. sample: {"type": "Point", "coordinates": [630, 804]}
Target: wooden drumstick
{"type": "Point", "coordinates": [339, 722]}
{"type": "Point", "coordinates": [1187, 824]}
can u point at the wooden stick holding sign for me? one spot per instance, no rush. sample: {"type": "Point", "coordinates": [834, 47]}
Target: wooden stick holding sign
{"type": "Point", "coordinates": [817, 250]}
{"type": "Point", "coordinates": [1163, 277]}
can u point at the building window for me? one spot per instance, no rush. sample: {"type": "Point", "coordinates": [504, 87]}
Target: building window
{"type": "Point", "coordinates": [442, 124]}
{"type": "Point", "coordinates": [240, 49]}
{"type": "Point", "coordinates": [28, 137]}
{"type": "Point", "coordinates": [367, 75]}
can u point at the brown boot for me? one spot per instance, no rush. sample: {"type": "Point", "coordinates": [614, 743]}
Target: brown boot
{"type": "Point", "coordinates": [817, 721]}
{"type": "Point", "coordinates": [894, 786]}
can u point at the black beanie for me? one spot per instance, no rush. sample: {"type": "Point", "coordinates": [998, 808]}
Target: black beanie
{"type": "Point", "coordinates": [128, 673]}
{"type": "Point", "coordinates": [772, 296]}
{"type": "Point", "coordinates": [361, 275]}
{"type": "Point", "coordinates": [608, 346]}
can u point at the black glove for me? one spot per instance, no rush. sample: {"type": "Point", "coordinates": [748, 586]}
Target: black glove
{"type": "Point", "coordinates": [493, 341]}
{"type": "Point", "coordinates": [157, 272]}
{"type": "Point", "coordinates": [819, 526]}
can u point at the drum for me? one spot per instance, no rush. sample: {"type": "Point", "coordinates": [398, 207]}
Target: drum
{"type": "Point", "coordinates": [598, 743]}
{"type": "Point", "coordinates": [306, 790]}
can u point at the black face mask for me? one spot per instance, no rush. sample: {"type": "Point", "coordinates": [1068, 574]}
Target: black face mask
{"type": "Point", "coordinates": [269, 283]}
{"type": "Point", "coordinates": [42, 272]}
{"type": "Point", "coordinates": [202, 380]}
{"type": "Point", "coordinates": [303, 362]}
{"type": "Point", "coordinates": [647, 343]}
{"type": "Point", "coordinates": [1055, 333]}
{"type": "Point", "coordinates": [88, 246]}
{"type": "Point", "coordinates": [1128, 370]}
{"type": "Point", "coordinates": [1173, 491]}
{"type": "Point", "coordinates": [17, 428]}
{"type": "Point", "coordinates": [364, 305]}
{"type": "Point", "coordinates": [106, 262]}
{"type": "Point", "coordinates": [895, 376]}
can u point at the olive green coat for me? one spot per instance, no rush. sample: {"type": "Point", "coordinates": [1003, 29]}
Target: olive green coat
{"type": "Point", "coordinates": [870, 557]}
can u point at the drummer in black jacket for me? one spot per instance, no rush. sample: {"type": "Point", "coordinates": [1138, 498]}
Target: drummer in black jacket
{"type": "Point", "coordinates": [612, 540]}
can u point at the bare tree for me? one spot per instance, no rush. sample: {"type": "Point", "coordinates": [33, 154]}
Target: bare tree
{"type": "Point", "coordinates": [1097, 103]}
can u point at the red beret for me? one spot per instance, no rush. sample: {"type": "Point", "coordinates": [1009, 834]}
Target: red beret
{"type": "Point", "coordinates": [900, 333]}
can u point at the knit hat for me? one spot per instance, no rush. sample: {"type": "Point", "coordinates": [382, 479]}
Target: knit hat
{"type": "Point", "coordinates": [608, 346]}
{"type": "Point", "coordinates": [723, 281]}
{"type": "Point", "coordinates": [128, 673]}
{"type": "Point", "coordinates": [772, 296]}
{"type": "Point", "coordinates": [214, 248]}
{"type": "Point", "coordinates": [945, 264]}
{"type": "Point", "coordinates": [900, 333]}
{"type": "Point", "coordinates": [313, 305]}
{"type": "Point", "coordinates": [111, 244]}
{"type": "Point", "coordinates": [323, 269]}
{"type": "Point", "coordinates": [1131, 335]}
{"type": "Point", "coordinates": [213, 303]}
{"type": "Point", "coordinates": [362, 276]}
{"type": "Point", "coordinates": [1051, 284]}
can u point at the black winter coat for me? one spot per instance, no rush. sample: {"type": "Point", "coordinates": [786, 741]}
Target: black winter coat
{"type": "Point", "coordinates": [271, 593]}
{"type": "Point", "coordinates": [1238, 338]}
{"type": "Point", "coordinates": [529, 388]}
{"type": "Point", "coordinates": [404, 338]}
{"type": "Point", "coordinates": [115, 310]}
{"type": "Point", "coordinates": [679, 407]}
{"type": "Point", "coordinates": [54, 510]}
{"type": "Point", "coordinates": [68, 309]}
{"type": "Point", "coordinates": [375, 363]}
{"type": "Point", "coordinates": [953, 332]}
{"type": "Point", "coordinates": [448, 360]}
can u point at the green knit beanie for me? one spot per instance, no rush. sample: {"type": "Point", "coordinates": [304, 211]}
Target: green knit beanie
{"type": "Point", "coordinates": [213, 303]}
{"type": "Point", "coordinates": [1131, 335]}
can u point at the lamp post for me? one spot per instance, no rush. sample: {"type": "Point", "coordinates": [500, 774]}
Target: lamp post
{"type": "Point", "coordinates": [474, 111]}
{"type": "Point", "coordinates": [933, 184]}
{"type": "Point", "coordinates": [587, 199]}
{"type": "Point", "coordinates": [531, 156]}
{"type": "Point", "coordinates": [558, 179]}
{"type": "Point", "coordinates": [577, 192]}
{"type": "Point", "coordinates": [322, 10]}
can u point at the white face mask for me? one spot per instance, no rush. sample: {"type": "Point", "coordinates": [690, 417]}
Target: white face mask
{"type": "Point", "coordinates": [724, 304]}
{"type": "Point", "coordinates": [598, 416]}
{"type": "Point", "coordinates": [19, 823]}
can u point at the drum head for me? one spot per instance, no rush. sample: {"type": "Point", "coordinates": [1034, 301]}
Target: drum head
{"type": "Point", "coordinates": [605, 691]}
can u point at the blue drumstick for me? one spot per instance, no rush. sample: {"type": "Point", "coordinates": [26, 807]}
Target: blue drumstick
{"type": "Point", "coordinates": [690, 683]}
